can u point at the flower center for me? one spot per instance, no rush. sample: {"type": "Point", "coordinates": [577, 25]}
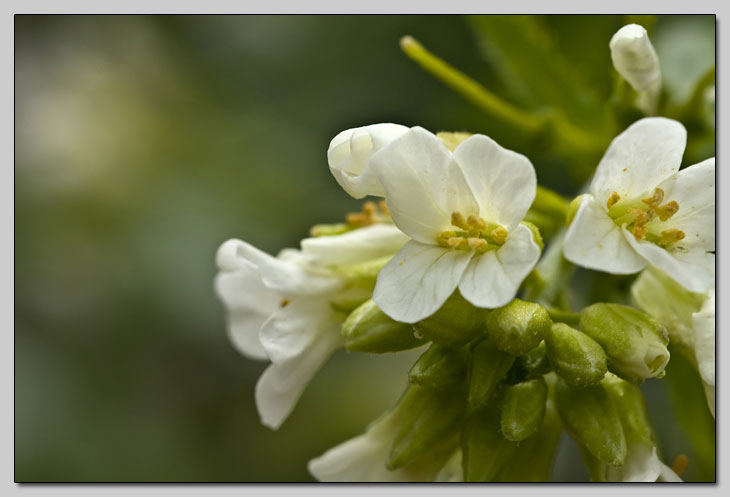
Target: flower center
{"type": "Point", "coordinates": [474, 233]}
{"type": "Point", "coordinates": [645, 218]}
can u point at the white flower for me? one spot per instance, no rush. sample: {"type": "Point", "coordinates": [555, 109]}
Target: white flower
{"type": "Point", "coordinates": [642, 464]}
{"type": "Point", "coordinates": [704, 327]}
{"type": "Point", "coordinates": [636, 61]}
{"type": "Point", "coordinates": [284, 308]}
{"type": "Point", "coordinates": [350, 151]}
{"type": "Point", "coordinates": [363, 458]}
{"type": "Point", "coordinates": [641, 209]}
{"type": "Point", "coordinates": [463, 212]}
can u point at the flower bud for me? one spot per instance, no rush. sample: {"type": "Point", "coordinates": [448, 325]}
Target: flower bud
{"type": "Point", "coordinates": [350, 151]}
{"type": "Point", "coordinates": [573, 207]}
{"type": "Point", "coordinates": [591, 419]}
{"type": "Point", "coordinates": [368, 329]}
{"type": "Point", "coordinates": [486, 452]}
{"type": "Point", "coordinates": [634, 342]}
{"type": "Point", "coordinates": [576, 357]}
{"type": "Point", "coordinates": [488, 368]}
{"type": "Point", "coordinates": [427, 417]}
{"type": "Point", "coordinates": [636, 61]}
{"type": "Point", "coordinates": [518, 327]}
{"type": "Point", "coordinates": [523, 408]}
{"type": "Point", "coordinates": [530, 365]}
{"type": "Point", "coordinates": [439, 366]}
{"type": "Point", "coordinates": [456, 323]}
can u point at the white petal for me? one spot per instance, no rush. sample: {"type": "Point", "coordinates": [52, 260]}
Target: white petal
{"type": "Point", "coordinates": [594, 241]}
{"type": "Point", "coordinates": [668, 475]}
{"type": "Point", "coordinates": [641, 465]}
{"type": "Point", "coordinates": [423, 185]}
{"type": "Point", "coordinates": [280, 274]}
{"type": "Point", "coordinates": [704, 326]}
{"type": "Point", "coordinates": [293, 328]}
{"type": "Point", "coordinates": [360, 245]}
{"type": "Point", "coordinates": [694, 269]}
{"type": "Point", "coordinates": [693, 188]}
{"type": "Point", "coordinates": [634, 57]}
{"type": "Point", "coordinates": [418, 280]}
{"type": "Point", "coordinates": [637, 160]}
{"type": "Point", "coordinates": [350, 151]}
{"type": "Point", "coordinates": [492, 279]}
{"type": "Point", "coordinates": [503, 182]}
{"type": "Point", "coordinates": [282, 383]}
{"type": "Point", "coordinates": [248, 303]}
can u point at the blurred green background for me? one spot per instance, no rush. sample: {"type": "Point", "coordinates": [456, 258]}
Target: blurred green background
{"type": "Point", "coordinates": [144, 142]}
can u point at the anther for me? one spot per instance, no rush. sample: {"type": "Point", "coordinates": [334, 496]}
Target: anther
{"type": "Point", "coordinates": [477, 222]}
{"type": "Point", "coordinates": [640, 219]}
{"type": "Point", "coordinates": [655, 199]}
{"type": "Point", "coordinates": [667, 210]}
{"type": "Point", "coordinates": [457, 242]}
{"type": "Point", "coordinates": [457, 219]}
{"type": "Point", "coordinates": [670, 236]}
{"type": "Point", "coordinates": [383, 207]}
{"type": "Point", "coordinates": [499, 235]}
{"type": "Point", "coordinates": [680, 464]}
{"type": "Point", "coordinates": [615, 197]}
{"type": "Point", "coordinates": [477, 243]}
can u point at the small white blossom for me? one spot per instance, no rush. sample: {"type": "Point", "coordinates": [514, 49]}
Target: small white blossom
{"type": "Point", "coordinates": [641, 209]}
{"type": "Point", "coordinates": [349, 153]}
{"type": "Point", "coordinates": [282, 308]}
{"type": "Point", "coordinates": [462, 211]}
{"type": "Point", "coordinates": [636, 61]}
{"type": "Point", "coordinates": [704, 327]}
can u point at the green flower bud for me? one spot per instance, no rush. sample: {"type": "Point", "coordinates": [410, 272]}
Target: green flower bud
{"type": "Point", "coordinates": [456, 323]}
{"type": "Point", "coordinates": [368, 329]}
{"type": "Point", "coordinates": [533, 364]}
{"type": "Point", "coordinates": [523, 408]}
{"type": "Point", "coordinates": [518, 327]}
{"type": "Point", "coordinates": [488, 368]}
{"type": "Point", "coordinates": [535, 234]}
{"type": "Point", "coordinates": [576, 357]}
{"type": "Point", "coordinates": [439, 366]}
{"type": "Point", "coordinates": [486, 453]}
{"type": "Point", "coordinates": [428, 417]}
{"type": "Point", "coordinates": [634, 342]}
{"type": "Point", "coordinates": [573, 209]}
{"type": "Point", "coordinates": [591, 419]}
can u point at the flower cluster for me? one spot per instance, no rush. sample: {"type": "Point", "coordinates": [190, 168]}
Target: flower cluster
{"type": "Point", "coordinates": [441, 260]}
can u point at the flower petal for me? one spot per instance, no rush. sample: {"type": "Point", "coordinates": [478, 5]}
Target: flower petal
{"type": "Point", "coordinates": [704, 326]}
{"type": "Point", "coordinates": [641, 465]}
{"type": "Point", "coordinates": [249, 303]}
{"type": "Point", "coordinates": [282, 274]}
{"type": "Point", "coordinates": [423, 185]}
{"type": "Point", "coordinates": [418, 280]}
{"type": "Point", "coordinates": [693, 188]}
{"type": "Point", "coordinates": [694, 269]}
{"type": "Point", "coordinates": [492, 279]}
{"type": "Point", "coordinates": [595, 242]}
{"type": "Point", "coordinates": [503, 182]}
{"type": "Point", "coordinates": [295, 326]}
{"type": "Point", "coordinates": [350, 151]}
{"type": "Point", "coordinates": [360, 245]}
{"type": "Point", "coordinates": [637, 160]}
{"type": "Point", "coordinates": [282, 383]}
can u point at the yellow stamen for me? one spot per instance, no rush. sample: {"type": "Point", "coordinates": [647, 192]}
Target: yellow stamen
{"type": "Point", "coordinates": [457, 242]}
{"type": "Point", "coordinates": [457, 219]}
{"type": "Point", "coordinates": [477, 243]}
{"type": "Point", "coordinates": [680, 464]}
{"type": "Point", "coordinates": [655, 199]}
{"type": "Point", "coordinates": [615, 197]}
{"type": "Point", "coordinates": [383, 207]}
{"type": "Point", "coordinates": [366, 217]}
{"type": "Point", "coordinates": [499, 235]}
{"type": "Point", "coordinates": [477, 222]}
{"type": "Point", "coordinates": [667, 210]}
{"type": "Point", "coordinates": [641, 218]}
{"type": "Point", "coordinates": [670, 236]}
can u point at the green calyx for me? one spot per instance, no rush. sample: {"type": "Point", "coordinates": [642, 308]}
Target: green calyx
{"type": "Point", "coordinates": [575, 356]}
{"type": "Point", "coordinates": [368, 329]}
{"type": "Point", "coordinates": [439, 366]}
{"type": "Point", "coordinates": [456, 323]}
{"type": "Point", "coordinates": [523, 408]}
{"type": "Point", "coordinates": [487, 369]}
{"type": "Point", "coordinates": [518, 327]}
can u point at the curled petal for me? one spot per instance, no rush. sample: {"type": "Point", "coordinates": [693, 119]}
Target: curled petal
{"type": "Point", "coordinates": [693, 188]}
{"type": "Point", "coordinates": [282, 383]}
{"type": "Point", "coordinates": [248, 303]}
{"type": "Point", "coordinates": [364, 244]}
{"type": "Point", "coordinates": [423, 185]}
{"type": "Point", "coordinates": [503, 182]}
{"type": "Point", "coordinates": [637, 160]}
{"type": "Point", "coordinates": [694, 269]}
{"type": "Point", "coordinates": [634, 57]}
{"type": "Point", "coordinates": [595, 242]}
{"type": "Point", "coordinates": [350, 151]}
{"type": "Point", "coordinates": [418, 280]}
{"type": "Point", "coordinates": [492, 279]}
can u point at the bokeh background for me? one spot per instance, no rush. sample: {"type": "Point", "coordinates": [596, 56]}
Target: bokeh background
{"type": "Point", "coordinates": [144, 142]}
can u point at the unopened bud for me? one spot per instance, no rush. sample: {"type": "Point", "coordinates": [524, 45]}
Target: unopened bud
{"type": "Point", "coordinates": [486, 452]}
{"type": "Point", "coordinates": [488, 368]}
{"type": "Point", "coordinates": [518, 327]}
{"type": "Point", "coordinates": [576, 357]}
{"type": "Point", "coordinates": [591, 419]}
{"type": "Point", "coordinates": [573, 209]}
{"type": "Point", "coordinates": [368, 329]}
{"type": "Point", "coordinates": [523, 408]}
{"type": "Point", "coordinates": [636, 61]}
{"type": "Point", "coordinates": [427, 418]}
{"type": "Point", "coordinates": [439, 366]}
{"type": "Point", "coordinates": [532, 364]}
{"type": "Point", "coordinates": [456, 323]}
{"type": "Point", "coordinates": [634, 342]}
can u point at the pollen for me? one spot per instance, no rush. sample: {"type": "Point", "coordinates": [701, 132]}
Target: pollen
{"type": "Point", "coordinates": [457, 219]}
{"type": "Point", "coordinates": [615, 197]}
{"type": "Point", "coordinates": [670, 236]}
{"type": "Point", "coordinates": [680, 464]}
{"type": "Point", "coordinates": [477, 223]}
{"type": "Point", "coordinates": [499, 235]}
{"type": "Point", "coordinates": [667, 210]}
{"type": "Point", "coordinates": [655, 199]}
{"type": "Point", "coordinates": [641, 218]}
{"type": "Point", "coordinates": [285, 302]}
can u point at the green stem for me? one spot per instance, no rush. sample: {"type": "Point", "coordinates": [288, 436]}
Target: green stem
{"type": "Point", "coordinates": [570, 318]}
{"type": "Point", "coordinates": [694, 104]}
